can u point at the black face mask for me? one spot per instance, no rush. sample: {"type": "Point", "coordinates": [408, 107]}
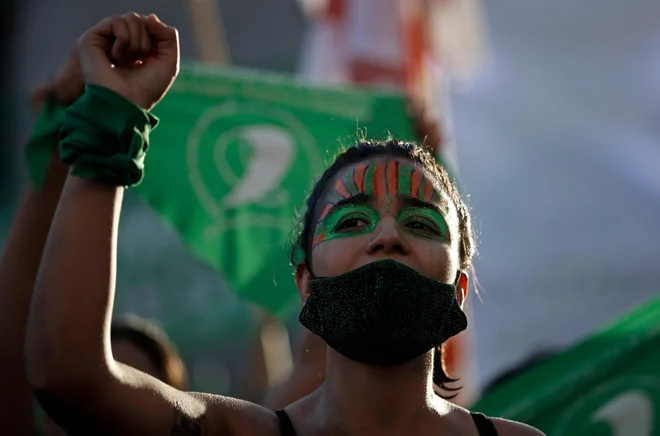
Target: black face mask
{"type": "Point", "coordinates": [383, 313]}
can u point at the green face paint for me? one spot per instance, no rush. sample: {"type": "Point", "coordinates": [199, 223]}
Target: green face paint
{"type": "Point", "coordinates": [348, 220]}
{"type": "Point", "coordinates": [384, 180]}
{"type": "Point", "coordinates": [424, 222]}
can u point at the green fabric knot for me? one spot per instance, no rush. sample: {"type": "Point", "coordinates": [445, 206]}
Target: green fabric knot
{"type": "Point", "coordinates": [105, 137]}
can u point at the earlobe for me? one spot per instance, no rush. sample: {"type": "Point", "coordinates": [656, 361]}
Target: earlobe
{"type": "Point", "coordinates": [462, 282]}
{"type": "Point", "coordinates": [302, 282]}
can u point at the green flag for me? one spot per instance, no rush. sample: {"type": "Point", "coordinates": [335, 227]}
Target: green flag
{"type": "Point", "coordinates": [609, 385]}
{"type": "Point", "coordinates": [234, 157]}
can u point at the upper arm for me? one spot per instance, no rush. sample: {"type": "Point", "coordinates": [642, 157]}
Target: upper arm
{"type": "Point", "coordinates": [130, 403]}
{"type": "Point", "coordinates": [512, 428]}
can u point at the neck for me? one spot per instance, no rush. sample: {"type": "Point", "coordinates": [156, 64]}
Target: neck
{"type": "Point", "coordinates": [366, 399]}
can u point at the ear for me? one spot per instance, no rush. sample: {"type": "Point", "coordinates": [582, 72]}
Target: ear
{"type": "Point", "coordinates": [462, 282]}
{"type": "Point", "coordinates": [302, 282]}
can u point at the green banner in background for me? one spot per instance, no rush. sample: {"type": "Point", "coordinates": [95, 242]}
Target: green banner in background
{"type": "Point", "coordinates": [607, 386]}
{"type": "Point", "coordinates": [235, 155]}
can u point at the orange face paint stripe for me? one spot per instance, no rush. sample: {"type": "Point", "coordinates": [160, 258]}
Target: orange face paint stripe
{"type": "Point", "coordinates": [428, 191]}
{"type": "Point", "coordinates": [341, 189]}
{"type": "Point", "coordinates": [358, 177]}
{"type": "Point", "coordinates": [393, 178]}
{"type": "Point", "coordinates": [318, 239]}
{"type": "Point", "coordinates": [326, 210]}
{"type": "Point", "coordinates": [374, 180]}
{"type": "Point", "coordinates": [416, 180]}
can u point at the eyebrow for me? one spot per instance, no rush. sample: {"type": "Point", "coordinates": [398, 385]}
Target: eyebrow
{"type": "Point", "coordinates": [407, 200]}
{"type": "Point", "coordinates": [415, 202]}
{"type": "Point", "coordinates": [354, 200]}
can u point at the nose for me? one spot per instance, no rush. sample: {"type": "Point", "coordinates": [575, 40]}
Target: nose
{"type": "Point", "coordinates": [388, 238]}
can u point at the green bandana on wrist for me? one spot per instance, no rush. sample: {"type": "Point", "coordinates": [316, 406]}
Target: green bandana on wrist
{"type": "Point", "coordinates": [105, 137]}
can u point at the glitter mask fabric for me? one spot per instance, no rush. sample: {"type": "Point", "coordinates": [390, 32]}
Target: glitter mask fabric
{"type": "Point", "coordinates": [383, 313]}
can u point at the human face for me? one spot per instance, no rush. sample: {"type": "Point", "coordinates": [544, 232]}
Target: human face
{"type": "Point", "coordinates": [386, 208]}
{"type": "Point", "coordinates": [128, 353]}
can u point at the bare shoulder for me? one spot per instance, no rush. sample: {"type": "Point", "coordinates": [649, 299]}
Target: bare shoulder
{"type": "Point", "coordinates": [246, 418]}
{"type": "Point", "coordinates": [512, 428]}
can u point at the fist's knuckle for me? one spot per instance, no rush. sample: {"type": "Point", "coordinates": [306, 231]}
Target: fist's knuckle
{"type": "Point", "coordinates": [120, 22]}
{"type": "Point", "coordinates": [115, 21]}
{"type": "Point", "coordinates": [82, 42]}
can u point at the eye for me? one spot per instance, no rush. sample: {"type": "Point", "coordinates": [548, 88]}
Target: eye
{"type": "Point", "coordinates": [422, 225]}
{"type": "Point", "coordinates": [351, 223]}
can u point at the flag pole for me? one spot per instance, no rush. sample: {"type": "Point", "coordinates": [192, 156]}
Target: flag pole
{"type": "Point", "coordinates": [272, 354]}
{"type": "Point", "coordinates": [209, 31]}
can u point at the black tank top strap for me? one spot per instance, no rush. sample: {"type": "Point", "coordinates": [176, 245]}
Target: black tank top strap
{"type": "Point", "coordinates": [484, 425]}
{"type": "Point", "coordinates": [286, 427]}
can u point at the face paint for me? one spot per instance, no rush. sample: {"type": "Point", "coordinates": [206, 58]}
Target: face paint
{"type": "Point", "coordinates": [424, 222]}
{"type": "Point", "coordinates": [383, 180]}
{"type": "Point", "coordinates": [348, 220]}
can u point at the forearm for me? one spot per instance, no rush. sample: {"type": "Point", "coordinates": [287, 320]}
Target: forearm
{"type": "Point", "coordinates": [68, 328]}
{"type": "Point", "coordinates": [20, 262]}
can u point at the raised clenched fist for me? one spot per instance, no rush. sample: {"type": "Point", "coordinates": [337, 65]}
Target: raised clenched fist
{"type": "Point", "coordinates": [134, 55]}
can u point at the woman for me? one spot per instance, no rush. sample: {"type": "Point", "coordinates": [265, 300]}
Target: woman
{"type": "Point", "coordinates": [135, 342]}
{"type": "Point", "coordinates": [384, 224]}
{"type": "Point", "coordinates": [309, 352]}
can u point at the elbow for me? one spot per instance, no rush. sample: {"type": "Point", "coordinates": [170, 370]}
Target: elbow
{"type": "Point", "coordinates": [52, 387]}
{"type": "Point", "coordinates": [38, 370]}
{"type": "Point", "coordinates": [62, 379]}
{"type": "Point", "coordinates": [60, 364]}
{"type": "Point", "coordinates": [46, 378]}
{"type": "Point", "coordinates": [42, 378]}
{"type": "Point", "coordinates": [43, 369]}
{"type": "Point", "coordinates": [60, 393]}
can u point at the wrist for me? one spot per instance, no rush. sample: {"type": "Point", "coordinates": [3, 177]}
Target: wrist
{"type": "Point", "coordinates": [105, 136]}
{"type": "Point", "coordinates": [112, 102]}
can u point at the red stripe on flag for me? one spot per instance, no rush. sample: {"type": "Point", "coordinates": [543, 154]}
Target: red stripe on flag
{"type": "Point", "coordinates": [335, 10]}
{"type": "Point", "coordinates": [365, 73]}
